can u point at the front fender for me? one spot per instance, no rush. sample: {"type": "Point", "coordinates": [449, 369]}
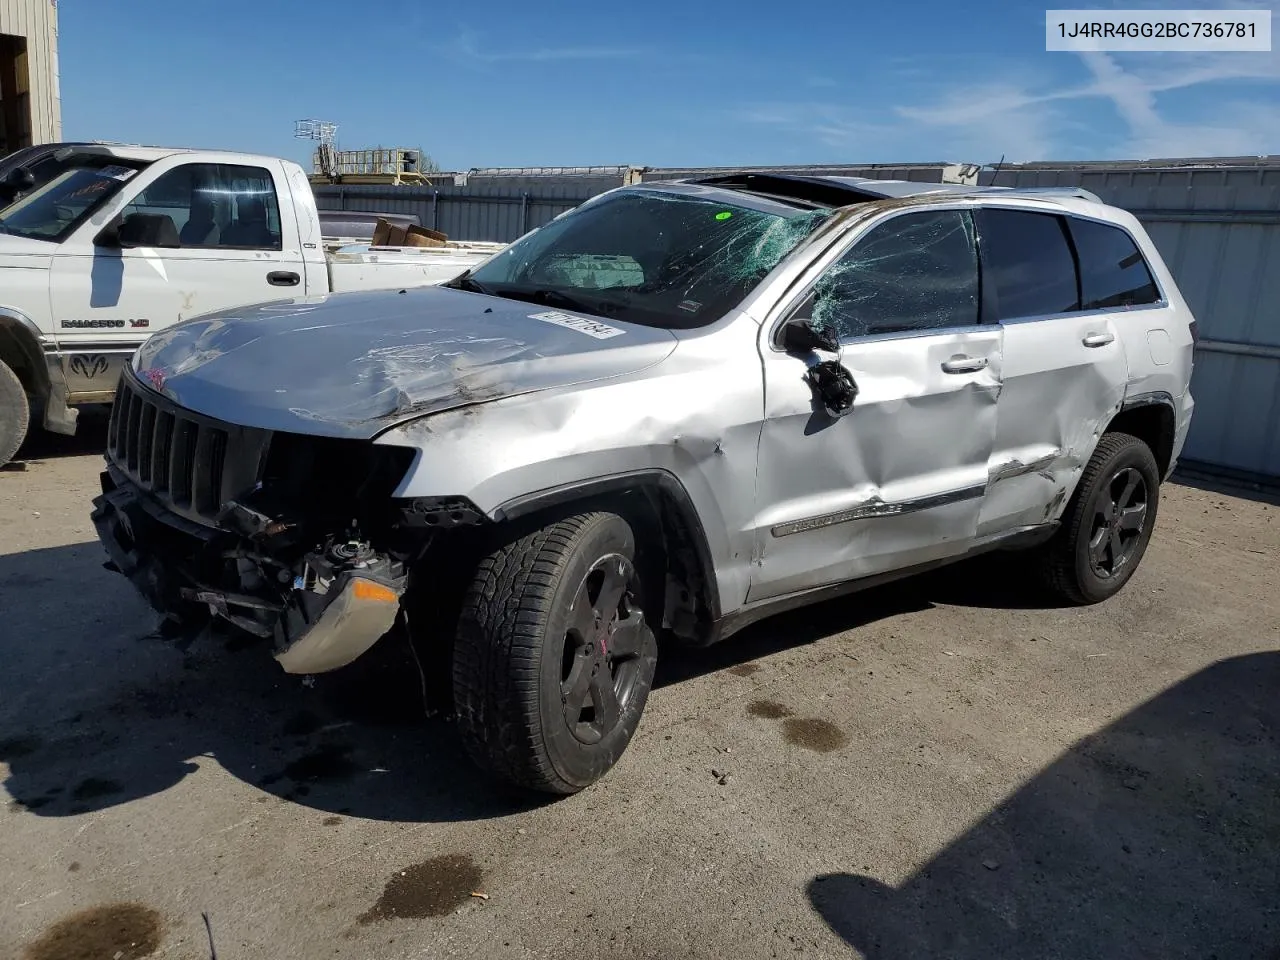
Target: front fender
{"type": "Point", "coordinates": [509, 455]}
{"type": "Point", "coordinates": [41, 362]}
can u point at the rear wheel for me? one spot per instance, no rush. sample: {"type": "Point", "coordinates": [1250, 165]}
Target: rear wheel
{"type": "Point", "coordinates": [554, 658]}
{"type": "Point", "coordinates": [1107, 525]}
{"type": "Point", "coordinates": [15, 413]}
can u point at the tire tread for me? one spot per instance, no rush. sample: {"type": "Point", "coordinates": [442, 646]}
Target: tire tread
{"type": "Point", "coordinates": [497, 655]}
{"type": "Point", "coordinates": [1057, 566]}
{"type": "Point", "coordinates": [15, 413]}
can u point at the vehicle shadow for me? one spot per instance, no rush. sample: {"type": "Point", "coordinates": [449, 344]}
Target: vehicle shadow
{"type": "Point", "coordinates": [90, 438]}
{"type": "Point", "coordinates": [992, 581]}
{"type": "Point", "coordinates": [1158, 836]}
{"type": "Point", "coordinates": [96, 710]}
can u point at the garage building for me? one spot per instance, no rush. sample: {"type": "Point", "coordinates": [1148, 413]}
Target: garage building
{"type": "Point", "coordinates": [30, 110]}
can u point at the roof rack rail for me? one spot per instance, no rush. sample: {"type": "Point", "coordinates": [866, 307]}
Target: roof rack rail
{"type": "Point", "coordinates": [1080, 192]}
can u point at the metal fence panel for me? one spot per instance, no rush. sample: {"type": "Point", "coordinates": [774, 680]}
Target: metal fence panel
{"type": "Point", "coordinates": [462, 212]}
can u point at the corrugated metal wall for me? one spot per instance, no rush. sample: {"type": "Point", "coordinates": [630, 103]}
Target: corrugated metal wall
{"type": "Point", "coordinates": [468, 212]}
{"type": "Point", "coordinates": [1218, 228]}
{"type": "Point", "coordinates": [502, 207]}
{"type": "Point", "coordinates": [37, 20]}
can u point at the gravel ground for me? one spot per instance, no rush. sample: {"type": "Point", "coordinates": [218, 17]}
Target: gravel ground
{"type": "Point", "coordinates": [947, 767]}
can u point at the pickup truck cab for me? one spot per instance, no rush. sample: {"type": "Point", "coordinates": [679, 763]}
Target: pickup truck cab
{"type": "Point", "coordinates": [106, 243]}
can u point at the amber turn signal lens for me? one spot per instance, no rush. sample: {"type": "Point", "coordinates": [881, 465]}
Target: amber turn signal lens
{"type": "Point", "coordinates": [368, 590]}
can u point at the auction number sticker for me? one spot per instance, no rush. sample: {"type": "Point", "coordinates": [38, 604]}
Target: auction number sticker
{"type": "Point", "coordinates": [592, 328]}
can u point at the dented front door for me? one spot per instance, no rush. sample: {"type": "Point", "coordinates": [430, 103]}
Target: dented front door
{"type": "Point", "coordinates": [899, 479]}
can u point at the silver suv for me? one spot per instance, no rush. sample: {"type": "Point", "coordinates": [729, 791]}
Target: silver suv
{"type": "Point", "coordinates": [668, 413]}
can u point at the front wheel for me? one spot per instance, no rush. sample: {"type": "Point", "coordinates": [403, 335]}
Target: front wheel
{"type": "Point", "coordinates": [1107, 525]}
{"type": "Point", "coordinates": [15, 413]}
{"type": "Point", "coordinates": [554, 659]}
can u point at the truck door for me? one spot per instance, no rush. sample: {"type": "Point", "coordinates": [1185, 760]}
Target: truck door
{"type": "Point", "coordinates": [899, 479]}
{"type": "Point", "coordinates": [197, 238]}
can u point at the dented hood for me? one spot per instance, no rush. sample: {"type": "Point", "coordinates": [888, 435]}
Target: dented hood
{"type": "Point", "coordinates": [354, 364]}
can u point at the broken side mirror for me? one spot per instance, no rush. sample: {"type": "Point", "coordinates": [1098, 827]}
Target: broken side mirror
{"type": "Point", "coordinates": [803, 335]}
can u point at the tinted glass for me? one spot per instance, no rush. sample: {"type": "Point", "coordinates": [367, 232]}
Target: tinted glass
{"type": "Point", "coordinates": [55, 208]}
{"type": "Point", "coordinates": [1112, 271]}
{"type": "Point", "coordinates": [653, 257]}
{"type": "Point", "coordinates": [918, 271]}
{"type": "Point", "coordinates": [216, 205]}
{"type": "Point", "coordinates": [1027, 262]}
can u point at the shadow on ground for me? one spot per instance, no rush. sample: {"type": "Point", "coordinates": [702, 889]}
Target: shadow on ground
{"type": "Point", "coordinates": [1157, 837]}
{"type": "Point", "coordinates": [990, 581]}
{"type": "Point", "coordinates": [1198, 479]}
{"type": "Point", "coordinates": [96, 711]}
{"type": "Point", "coordinates": [90, 438]}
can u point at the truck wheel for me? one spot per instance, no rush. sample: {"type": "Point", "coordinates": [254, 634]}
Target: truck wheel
{"type": "Point", "coordinates": [553, 658]}
{"type": "Point", "coordinates": [1107, 525]}
{"type": "Point", "coordinates": [15, 413]}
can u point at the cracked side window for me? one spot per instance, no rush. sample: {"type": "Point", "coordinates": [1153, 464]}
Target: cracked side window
{"type": "Point", "coordinates": [917, 271]}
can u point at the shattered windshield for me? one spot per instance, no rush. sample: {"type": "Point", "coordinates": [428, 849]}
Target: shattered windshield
{"type": "Point", "coordinates": [653, 257]}
{"type": "Point", "coordinates": [54, 209]}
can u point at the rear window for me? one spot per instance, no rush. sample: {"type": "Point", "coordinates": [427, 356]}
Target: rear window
{"type": "Point", "coordinates": [1028, 262]}
{"type": "Point", "coordinates": [1113, 272]}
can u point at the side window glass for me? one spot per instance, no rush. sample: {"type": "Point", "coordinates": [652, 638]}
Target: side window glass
{"type": "Point", "coordinates": [1112, 270]}
{"type": "Point", "coordinates": [918, 271]}
{"type": "Point", "coordinates": [210, 206]}
{"type": "Point", "coordinates": [1028, 263]}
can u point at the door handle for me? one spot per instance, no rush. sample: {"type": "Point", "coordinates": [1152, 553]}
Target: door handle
{"type": "Point", "coordinates": [964, 364]}
{"type": "Point", "coordinates": [1098, 339]}
{"type": "Point", "coordinates": [283, 278]}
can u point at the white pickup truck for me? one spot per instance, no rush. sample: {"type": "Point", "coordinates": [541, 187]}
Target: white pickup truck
{"type": "Point", "coordinates": [107, 243]}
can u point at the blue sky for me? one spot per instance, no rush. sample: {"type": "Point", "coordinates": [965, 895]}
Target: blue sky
{"type": "Point", "coordinates": [664, 83]}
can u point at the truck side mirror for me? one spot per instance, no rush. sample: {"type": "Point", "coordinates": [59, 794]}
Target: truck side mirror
{"type": "Point", "coordinates": [109, 236]}
{"type": "Point", "coordinates": [803, 335]}
{"type": "Point", "coordinates": [19, 180]}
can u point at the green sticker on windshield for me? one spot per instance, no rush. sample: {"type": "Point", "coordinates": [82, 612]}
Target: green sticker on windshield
{"type": "Point", "coordinates": [724, 214]}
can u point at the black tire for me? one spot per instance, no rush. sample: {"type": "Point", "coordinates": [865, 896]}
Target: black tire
{"type": "Point", "coordinates": [1107, 524]}
{"type": "Point", "coordinates": [15, 413]}
{"type": "Point", "coordinates": [527, 659]}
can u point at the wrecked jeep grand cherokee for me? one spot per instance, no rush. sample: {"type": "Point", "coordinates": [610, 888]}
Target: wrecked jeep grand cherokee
{"type": "Point", "coordinates": [669, 412]}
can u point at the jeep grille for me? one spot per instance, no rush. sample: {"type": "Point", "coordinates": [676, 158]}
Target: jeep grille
{"type": "Point", "coordinates": [191, 463]}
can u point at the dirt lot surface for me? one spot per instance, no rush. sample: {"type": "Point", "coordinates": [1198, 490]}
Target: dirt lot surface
{"type": "Point", "coordinates": [943, 768]}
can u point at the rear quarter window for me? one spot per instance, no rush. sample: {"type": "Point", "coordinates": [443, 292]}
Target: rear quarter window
{"type": "Point", "coordinates": [1113, 272]}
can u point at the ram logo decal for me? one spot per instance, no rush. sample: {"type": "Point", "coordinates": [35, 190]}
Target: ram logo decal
{"type": "Point", "coordinates": [89, 365]}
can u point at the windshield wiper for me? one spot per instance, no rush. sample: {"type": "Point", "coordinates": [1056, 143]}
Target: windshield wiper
{"type": "Point", "coordinates": [467, 282]}
{"type": "Point", "coordinates": [552, 298]}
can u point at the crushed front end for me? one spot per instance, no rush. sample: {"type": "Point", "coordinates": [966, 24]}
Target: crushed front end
{"type": "Point", "coordinates": [291, 538]}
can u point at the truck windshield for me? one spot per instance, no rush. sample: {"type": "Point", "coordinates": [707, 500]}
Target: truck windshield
{"type": "Point", "coordinates": [54, 209]}
{"type": "Point", "coordinates": [658, 258]}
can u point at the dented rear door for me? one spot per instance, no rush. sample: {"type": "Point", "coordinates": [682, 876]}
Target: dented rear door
{"type": "Point", "coordinates": [1064, 367]}
{"type": "Point", "coordinates": [899, 479]}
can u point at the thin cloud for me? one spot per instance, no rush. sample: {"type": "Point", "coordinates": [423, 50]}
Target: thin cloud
{"type": "Point", "coordinates": [468, 47]}
{"type": "Point", "coordinates": [1025, 116]}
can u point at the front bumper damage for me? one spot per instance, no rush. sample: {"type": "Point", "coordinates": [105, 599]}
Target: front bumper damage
{"type": "Point", "coordinates": [322, 605]}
